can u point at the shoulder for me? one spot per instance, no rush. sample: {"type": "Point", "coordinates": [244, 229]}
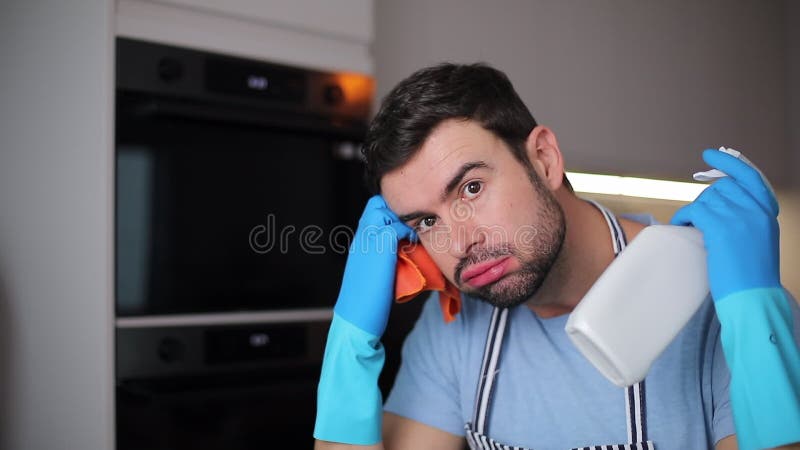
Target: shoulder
{"type": "Point", "coordinates": [632, 224]}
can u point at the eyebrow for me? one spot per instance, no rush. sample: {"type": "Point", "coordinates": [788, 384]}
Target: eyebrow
{"type": "Point", "coordinates": [455, 180]}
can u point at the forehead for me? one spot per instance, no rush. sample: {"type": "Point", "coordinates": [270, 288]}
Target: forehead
{"type": "Point", "coordinates": [418, 183]}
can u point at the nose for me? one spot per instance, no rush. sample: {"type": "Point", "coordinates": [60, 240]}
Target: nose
{"type": "Point", "coordinates": [464, 229]}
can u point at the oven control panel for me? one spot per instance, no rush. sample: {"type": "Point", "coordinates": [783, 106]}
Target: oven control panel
{"type": "Point", "coordinates": [168, 351]}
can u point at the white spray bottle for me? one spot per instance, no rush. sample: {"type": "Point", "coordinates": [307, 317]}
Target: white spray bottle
{"type": "Point", "coordinates": [644, 298]}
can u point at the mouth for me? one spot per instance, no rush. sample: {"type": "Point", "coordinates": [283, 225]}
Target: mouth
{"type": "Point", "coordinates": [486, 272]}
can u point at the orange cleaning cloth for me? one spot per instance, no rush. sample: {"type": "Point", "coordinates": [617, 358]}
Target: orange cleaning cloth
{"type": "Point", "coordinates": [416, 272]}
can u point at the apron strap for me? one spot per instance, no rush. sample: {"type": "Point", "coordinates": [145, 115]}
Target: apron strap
{"type": "Point", "coordinates": [618, 239]}
{"type": "Point", "coordinates": [491, 359]}
{"type": "Point", "coordinates": [635, 408]}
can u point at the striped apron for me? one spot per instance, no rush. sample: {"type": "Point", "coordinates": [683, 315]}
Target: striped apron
{"type": "Point", "coordinates": [634, 395]}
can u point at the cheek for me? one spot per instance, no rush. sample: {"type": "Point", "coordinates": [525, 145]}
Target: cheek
{"type": "Point", "coordinates": [508, 216]}
{"type": "Point", "coordinates": [517, 202]}
{"type": "Point", "coordinates": [496, 213]}
{"type": "Point", "coordinates": [515, 198]}
{"type": "Point", "coordinates": [443, 260]}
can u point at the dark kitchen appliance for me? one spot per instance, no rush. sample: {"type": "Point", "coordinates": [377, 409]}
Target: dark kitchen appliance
{"type": "Point", "coordinates": [238, 184]}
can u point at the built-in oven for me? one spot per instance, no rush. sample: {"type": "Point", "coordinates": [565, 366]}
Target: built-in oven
{"type": "Point", "coordinates": [238, 186]}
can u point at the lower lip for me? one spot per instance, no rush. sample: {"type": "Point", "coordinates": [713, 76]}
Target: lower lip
{"type": "Point", "coordinates": [493, 274]}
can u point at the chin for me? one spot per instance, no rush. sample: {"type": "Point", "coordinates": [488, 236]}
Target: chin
{"type": "Point", "coordinates": [509, 291]}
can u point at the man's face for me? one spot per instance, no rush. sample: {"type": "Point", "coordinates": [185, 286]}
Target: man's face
{"type": "Point", "coordinates": [490, 226]}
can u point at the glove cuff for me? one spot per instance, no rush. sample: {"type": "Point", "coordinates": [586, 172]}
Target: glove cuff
{"type": "Point", "coordinates": [761, 351]}
{"type": "Point", "coordinates": [349, 402]}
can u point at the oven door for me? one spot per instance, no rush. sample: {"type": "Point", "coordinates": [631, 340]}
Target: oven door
{"type": "Point", "coordinates": [252, 411]}
{"type": "Point", "coordinates": [230, 387]}
{"type": "Point", "coordinates": [225, 209]}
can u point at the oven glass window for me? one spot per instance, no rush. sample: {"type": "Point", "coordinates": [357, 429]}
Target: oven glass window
{"type": "Point", "coordinates": [216, 217]}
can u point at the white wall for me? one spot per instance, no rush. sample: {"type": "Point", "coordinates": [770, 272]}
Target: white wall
{"type": "Point", "coordinates": [56, 361]}
{"type": "Point", "coordinates": [790, 201]}
{"type": "Point", "coordinates": [792, 28]}
{"type": "Point", "coordinates": [629, 87]}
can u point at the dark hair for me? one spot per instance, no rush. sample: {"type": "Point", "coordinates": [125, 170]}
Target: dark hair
{"type": "Point", "coordinates": [429, 96]}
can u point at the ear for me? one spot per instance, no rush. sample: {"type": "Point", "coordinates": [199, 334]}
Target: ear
{"type": "Point", "coordinates": [545, 156]}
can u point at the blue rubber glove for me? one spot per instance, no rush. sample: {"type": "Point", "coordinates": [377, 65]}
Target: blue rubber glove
{"type": "Point", "coordinates": [738, 217]}
{"type": "Point", "coordinates": [349, 403]}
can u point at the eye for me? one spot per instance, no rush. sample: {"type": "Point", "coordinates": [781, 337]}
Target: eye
{"type": "Point", "coordinates": [472, 189]}
{"type": "Point", "coordinates": [424, 224]}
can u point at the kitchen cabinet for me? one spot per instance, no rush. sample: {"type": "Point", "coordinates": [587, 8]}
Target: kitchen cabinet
{"type": "Point", "coordinates": [309, 33]}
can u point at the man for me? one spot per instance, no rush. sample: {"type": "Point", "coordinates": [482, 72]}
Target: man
{"type": "Point", "coordinates": [463, 168]}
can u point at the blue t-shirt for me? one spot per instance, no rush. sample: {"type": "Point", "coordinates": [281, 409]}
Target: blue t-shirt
{"type": "Point", "coordinates": [547, 395]}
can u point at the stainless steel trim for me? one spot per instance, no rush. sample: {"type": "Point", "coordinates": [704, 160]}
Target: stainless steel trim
{"type": "Point", "coordinates": [234, 318]}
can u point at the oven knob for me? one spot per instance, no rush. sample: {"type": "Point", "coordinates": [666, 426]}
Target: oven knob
{"type": "Point", "coordinates": [333, 94]}
{"type": "Point", "coordinates": [170, 350]}
{"type": "Point", "coordinates": [169, 69]}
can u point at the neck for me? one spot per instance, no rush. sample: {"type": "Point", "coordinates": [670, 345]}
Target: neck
{"type": "Point", "coordinates": [586, 252]}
